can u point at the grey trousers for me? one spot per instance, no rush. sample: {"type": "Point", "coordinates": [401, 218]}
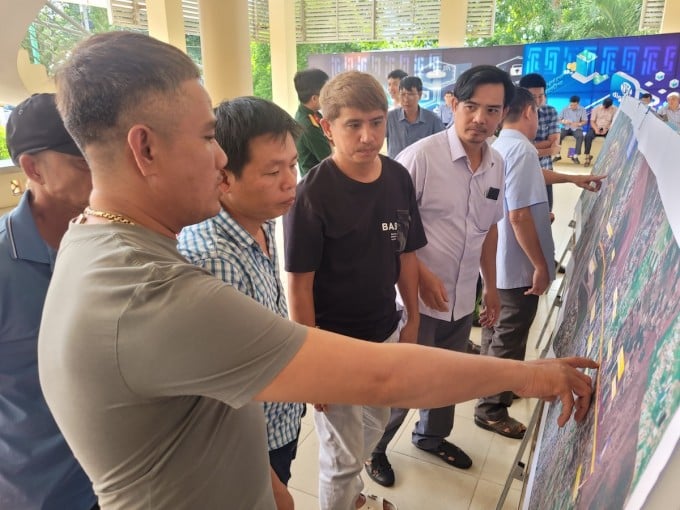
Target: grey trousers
{"type": "Point", "coordinates": [347, 434]}
{"type": "Point", "coordinates": [434, 424]}
{"type": "Point", "coordinates": [507, 339]}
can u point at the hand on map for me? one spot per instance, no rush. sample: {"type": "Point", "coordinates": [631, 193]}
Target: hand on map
{"type": "Point", "coordinates": [588, 182]}
{"type": "Point", "coordinates": [561, 378]}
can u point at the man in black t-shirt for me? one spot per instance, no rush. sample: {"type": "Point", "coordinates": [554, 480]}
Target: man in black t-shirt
{"type": "Point", "coordinates": [350, 237]}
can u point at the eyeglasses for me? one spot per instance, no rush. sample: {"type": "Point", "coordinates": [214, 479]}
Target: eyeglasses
{"type": "Point", "coordinates": [408, 94]}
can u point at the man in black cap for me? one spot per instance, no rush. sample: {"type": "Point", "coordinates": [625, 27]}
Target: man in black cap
{"type": "Point", "coordinates": [37, 468]}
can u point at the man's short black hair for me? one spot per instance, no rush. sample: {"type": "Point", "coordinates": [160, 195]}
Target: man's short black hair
{"type": "Point", "coordinates": [397, 74]}
{"type": "Point", "coordinates": [646, 95]}
{"type": "Point", "coordinates": [574, 99]}
{"type": "Point", "coordinates": [607, 102]}
{"type": "Point", "coordinates": [532, 80]}
{"type": "Point", "coordinates": [448, 92]}
{"type": "Point", "coordinates": [308, 83]}
{"type": "Point", "coordinates": [244, 118]}
{"type": "Point", "coordinates": [411, 82]}
{"type": "Point", "coordinates": [519, 103]}
{"type": "Point", "coordinates": [468, 82]}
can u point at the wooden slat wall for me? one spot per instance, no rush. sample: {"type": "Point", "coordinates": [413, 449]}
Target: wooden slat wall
{"type": "Point", "coordinates": [652, 14]}
{"type": "Point", "coordinates": [323, 21]}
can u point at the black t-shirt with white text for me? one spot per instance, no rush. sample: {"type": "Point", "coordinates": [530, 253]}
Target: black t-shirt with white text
{"type": "Point", "coordinates": [351, 235]}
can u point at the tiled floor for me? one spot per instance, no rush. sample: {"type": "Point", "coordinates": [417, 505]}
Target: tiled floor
{"type": "Point", "coordinates": [424, 482]}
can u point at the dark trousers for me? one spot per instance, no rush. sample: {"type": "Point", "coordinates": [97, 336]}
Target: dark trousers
{"type": "Point", "coordinates": [576, 133]}
{"type": "Point", "coordinates": [507, 339]}
{"type": "Point", "coordinates": [281, 459]}
{"type": "Point", "coordinates": [590, 136]}
{"type": "Point", "coordinates": [434, 424]}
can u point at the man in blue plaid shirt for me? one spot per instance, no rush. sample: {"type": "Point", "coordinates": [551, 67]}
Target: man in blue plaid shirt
{"type": "Point", "coordinates": [548, 134]}
{"type": "Point", "coordinates": [238, 244]}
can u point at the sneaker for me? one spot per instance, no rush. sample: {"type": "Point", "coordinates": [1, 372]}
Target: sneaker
{"type": "Point", "coordinates": [576, 160]}
{"type": "Point", "coordinates": [589, 158]}
{"type": "Point", "coordinates": [380, 470]}
{"type": "Point", "coordinates": [557, 158]}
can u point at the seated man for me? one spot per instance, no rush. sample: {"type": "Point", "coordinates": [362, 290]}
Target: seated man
{"type": "Point", "coordinates": [646, 98]}
{"type": "Point", "coordinates": [671, 111]}
{"type": "Point", "coordinates": [600, 122]}
{"type": "Point", "coordinates": [573, 118]}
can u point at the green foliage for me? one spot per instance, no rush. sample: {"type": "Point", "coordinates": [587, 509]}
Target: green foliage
{"type": "Point", "coordinates": [599, 18]}
{"type": "Point", "coordinates": [51, 36]}
{"type": "Point", "coordinates": [4, 153]}
{"type": "Point", "coordinates": [193, 43]}
{"type": "Point", "coordinates": [521, 22]}
{"type": "Point", "coordinates": [260, 61]}
{"type": "Point", "coordinates": [527, 21]}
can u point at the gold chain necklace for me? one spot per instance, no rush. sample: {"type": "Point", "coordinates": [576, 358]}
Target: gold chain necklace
{"type": "Point", "coordinates": [115, 218]}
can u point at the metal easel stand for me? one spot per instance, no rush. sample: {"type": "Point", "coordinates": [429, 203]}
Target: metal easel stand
{"type": "Point", "coordinates": [519, 470]}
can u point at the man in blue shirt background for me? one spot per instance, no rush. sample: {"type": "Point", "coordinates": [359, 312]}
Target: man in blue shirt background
{"type": "Point", "coordinates": [37, 468]}
{"type": "Point", "coordinates": [409, 122]}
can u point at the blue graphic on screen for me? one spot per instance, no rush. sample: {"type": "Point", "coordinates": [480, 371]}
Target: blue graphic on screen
{"type": "Point", "coordinates": [595, 69]}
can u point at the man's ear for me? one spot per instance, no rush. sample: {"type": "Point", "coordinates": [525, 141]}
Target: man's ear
{"type": "Point", "coordinates": [326, 126]}
{"type": "Point", "coordinates": [228, 179]}
{"type": "Point", "coordinates": [142, 142]}
{"type": "Point", "coordinates": [30, 165]}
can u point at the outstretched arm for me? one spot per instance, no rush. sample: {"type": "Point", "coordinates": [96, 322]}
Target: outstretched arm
{"type": "Point", "coordinates": [332, 368]}
{"type": "Point", "coordinates": [588, 182]}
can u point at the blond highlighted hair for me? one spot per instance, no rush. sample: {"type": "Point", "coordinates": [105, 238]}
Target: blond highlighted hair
{"type": "Point", "coordinates": [352, 89]}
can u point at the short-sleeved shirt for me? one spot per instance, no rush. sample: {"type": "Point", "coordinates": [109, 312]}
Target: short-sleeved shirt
{"type": "Point", "coordinates": [548, 124]}
{"type": "Point", "coordinates": [37, 467]}
{"type": "Point", "coordinates": [446, 115]}
{"type": "Point", "coordinates": [577, 115]}
{"type": "Point", "coordinates": [351, 234]}
{"type": "Point", "coordinates": [223, 247]}
{"type": "Point", "coordinates": [149, 365]}
{"type": "Point", "coordinates": [602, 117]}
{"type": "Point", "coordinates": [672, 116]}
{"type": "Point", "coordinates": [524, 187]}
{"type": "Point", "coordinates": [312, 145]}
{"type": "Point", "coordinates": [401, 133]}
{"type": "Point", "coordinates": [457, 212]}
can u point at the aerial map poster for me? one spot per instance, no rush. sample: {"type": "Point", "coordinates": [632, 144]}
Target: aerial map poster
{"type": "Point", "coordinates": [622, 308]}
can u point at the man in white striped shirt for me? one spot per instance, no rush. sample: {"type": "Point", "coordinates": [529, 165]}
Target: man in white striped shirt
{"type": "Point", "coordinates": [238, 244]}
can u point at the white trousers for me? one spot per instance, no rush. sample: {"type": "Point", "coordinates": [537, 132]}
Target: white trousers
{"type": "Point", "coordinates": [347, 436]}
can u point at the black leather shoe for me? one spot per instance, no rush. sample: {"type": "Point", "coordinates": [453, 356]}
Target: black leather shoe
{"type": "Point", "coordinates": [380, 470]}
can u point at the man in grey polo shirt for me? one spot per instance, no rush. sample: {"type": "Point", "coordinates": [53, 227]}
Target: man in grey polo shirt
{"type": "Point", "coordinates": [409, 122]}
{"type": "Point", "coordinates": [458, 180]}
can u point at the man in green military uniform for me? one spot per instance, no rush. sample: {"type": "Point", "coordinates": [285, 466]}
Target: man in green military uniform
{"type": "Point", "coordinates": [312, 146]}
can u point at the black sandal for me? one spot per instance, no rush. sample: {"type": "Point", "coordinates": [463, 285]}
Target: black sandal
{"type": "Point", "coordinates": [451, 454]}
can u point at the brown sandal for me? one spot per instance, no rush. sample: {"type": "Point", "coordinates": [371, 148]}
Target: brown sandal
{"type": "Point", "coordinates": [508, 427]}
